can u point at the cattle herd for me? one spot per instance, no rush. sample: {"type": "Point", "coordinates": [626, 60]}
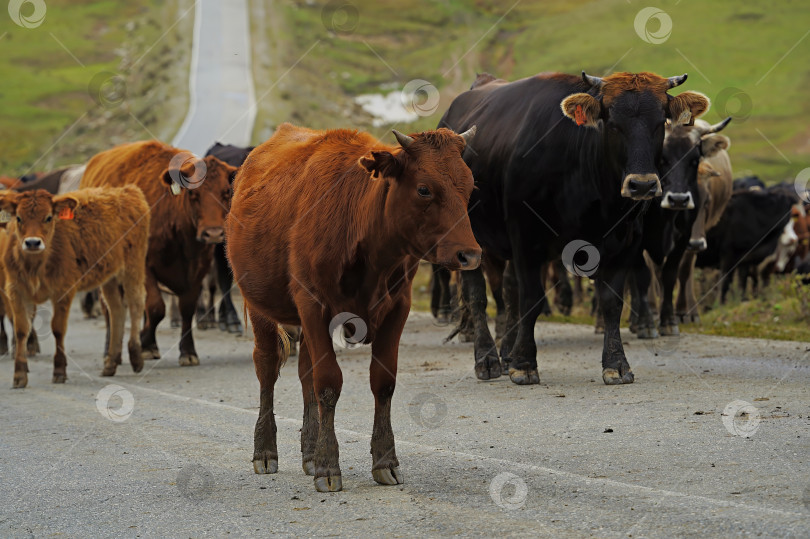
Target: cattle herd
{"type": "Point", "coordinates": [531, 185]}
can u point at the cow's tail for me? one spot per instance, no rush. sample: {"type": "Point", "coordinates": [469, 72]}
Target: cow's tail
{"type": "Point", "coordinates": [283, 345]}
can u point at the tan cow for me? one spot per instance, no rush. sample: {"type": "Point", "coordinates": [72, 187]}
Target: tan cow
{"type": "Point", "coordinates": [56, 246]}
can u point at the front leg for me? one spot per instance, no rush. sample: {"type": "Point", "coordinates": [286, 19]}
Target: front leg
{"type": "Point", "coordinates": [59, 324]}
{"type": "Point", "coordinates": [669, 276]}
{"type": "Point", "coordinates": [22, 326]}
{"type": "Point", "coordinates": [474, 292]}
{"type": "Point", "coordinates": [188, 305]}
{"type": "Point", "coordinates": [609, 287]}
{"type": "Point", "coordinates": [155, 311]}
{"type": "Point", "coordinates": [384, 353]}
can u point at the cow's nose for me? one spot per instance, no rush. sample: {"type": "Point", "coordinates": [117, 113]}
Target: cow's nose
{"type": "Point", "coordinates": [678, 201]}
{"type": "Point", "coordinates": [641, 186]}
{"type": "Point", "coordinates": [214, 234]}
{"type": "Point", "coordinates": [34, 244]}
{"type": "Point", "coordinates": [469, 259]}
{"type": "Point", "coordinates": [698, 245]}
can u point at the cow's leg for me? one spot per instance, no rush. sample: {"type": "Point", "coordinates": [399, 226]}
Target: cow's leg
{"type": "Point", "coordinates": [686, 308]}
{"type": "Point", "coordinates": [134, 295]}
{"type": "Point", "coordinates": [669, 275]}
{"type": "Point", "coordinates": [22, 325]}
{"type": "Point", "coordinates": [511, 300]}
{"type": "Point", "coordinates": [117, 314]}
{"type": "Point", "coordinates": [59, 323]}
{"type": "Point", "coordinates": [440, 294]}
{"type": "Point", "coordinates": [327, 381]}
{"type": "Point", "coordinates": [493, 269]}
{"type": "Point", "coordinates": [227, 311]}
{"type": "Point", "coordinates": [267, 361]}
{"type": "Point", "coordinates": [175, 319]}
{"type": "Point", "coordinates": [645, 322]}
{"type": "Point", "coordinates": [564, 295]}
{"type": "Point", "coordinates": [615, 368]}
{"type": "Point", "coordinates": [3, 334]}
{"type": "Point", "coordinates": [155, 311]}
{"type": "Point", "coordinates": [309, 430]}
{"type": "Point", "coordinates": [32, 344]}
{"type": "Point", "coordinates": [294, 333]}
{"type": "Point", "coordinates": [188, 304]}
{"type": "Point", "coordinates": [384, 352]}
{"type": "Point", "coordinates": [523, 356]}
{"type": "Point", "coordinates": [474, 290]}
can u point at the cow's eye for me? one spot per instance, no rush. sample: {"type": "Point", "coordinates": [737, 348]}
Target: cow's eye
{"type": "Point", "coordinates": [423, 191]}
{"type": "Point", "coordinates": [49, 218]}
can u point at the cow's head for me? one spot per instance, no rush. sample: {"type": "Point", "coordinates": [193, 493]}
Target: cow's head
{"type": "Point", "coordinates": [630, 110]}
{"type": "Point", "coordinates": [429, 187]}
{"type": "Point", "coordinates": [205, 185]}
{"type": "Point", "coordinates": [32, 217]}
{"type": "Point", "coordinates": [684, 147]}
{"type": "Point", "coordinates": [697, 241]}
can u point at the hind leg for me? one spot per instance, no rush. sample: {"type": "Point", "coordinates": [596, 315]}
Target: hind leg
{"type": "Point", "coordinates": [309, 430]}
{"type": "Point", "coordinates": [59, 323]}
{"type": "Point", "coordinates": [155, 311]}
{"type": "Point", "coordinates": [115, 305]}
{"type": "Point", "coordinates": [134, 296]}
{"type": "Point", "coordinates": [267, 361]}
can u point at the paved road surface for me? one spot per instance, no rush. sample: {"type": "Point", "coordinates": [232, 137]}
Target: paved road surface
{"type": "Point", "coordinates": [221, 83]}
{"type": "Point", "coordinates": [479, 458]}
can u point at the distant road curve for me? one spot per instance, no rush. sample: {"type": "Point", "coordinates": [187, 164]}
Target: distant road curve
{"type": "Point", "coordinates": [222, 102]}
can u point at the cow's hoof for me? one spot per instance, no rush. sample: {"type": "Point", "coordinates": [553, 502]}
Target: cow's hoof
{"type": "Point", "coordinates": [488, 367]}
{"type": "Point", "coordinates": [189, 360]}
{"type": "Point", "coordinates": [221, 324]}
{"type": "Point", "coordinates": [265, 465]}
{"type": "Point", "coordinates": [611, 377]}
{"type": "Point", "coordinates": [388, 476]}
{"type": "Point", "coordinates": [236, 328]}
{"type": "Point", "coordinates": [670, 330]}
{"type": "Point", "coordinates": [647, 333]}
{"type": "Point", "coordinates": [150, 353]}
{"type": "Point", "coordinates": [109, 370]}
{"type": "Point", "coordinates": [175, 323]}
{"type": "Point", "coordinates": [333, 483]}
{"type": "Point", "coordinates": [20, 380]}
{"type": "Point", "coordinates": [59, 378]}
{"type": "Point", "coordinates": [309, 467]}
{"type": "Point", "coordinates": [524, 377]}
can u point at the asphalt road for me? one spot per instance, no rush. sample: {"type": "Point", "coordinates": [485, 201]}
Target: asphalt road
{"type": "Point", "coordinates": [167, 452]}
{"type": "Point", "coordinates": [222, 102]}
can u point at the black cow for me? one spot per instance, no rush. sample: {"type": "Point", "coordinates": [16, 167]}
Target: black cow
{"type": "Point", "coordinates": [751, 183]}
{"type": "Point", "coordinates": [748, 232]}
{"type": "Point", "coordinates": [549, 187]}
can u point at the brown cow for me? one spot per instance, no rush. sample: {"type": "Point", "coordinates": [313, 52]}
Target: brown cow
{"type": "Point", "coordinates": [189, 199]}
{"type": "Point", "coordinates": [56, 246]}
{"type": "Point", "coordinates": [327, 229]}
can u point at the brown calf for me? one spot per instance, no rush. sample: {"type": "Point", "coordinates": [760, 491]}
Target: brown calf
{"type": "Point", "coordinates": [56, 246]}
{"type": "Point", "coordinates": [189, 199]}
{"type": "Point", "coordinates": [327, 229]}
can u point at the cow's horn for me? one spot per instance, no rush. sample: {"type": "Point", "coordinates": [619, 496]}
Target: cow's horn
{"type": "Point", "coordinates": [677, 80]}
{"type": "Point", "coordinates": [404, 140]}
{"type": "Point", "coordinates": [716, 128]}
{"type": "Point", "coordinates": [468, 134]}
{"type": "Point", "coordinates": [596, 82]}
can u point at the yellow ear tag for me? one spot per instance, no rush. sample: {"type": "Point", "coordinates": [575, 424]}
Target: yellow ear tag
{"type": "Point", "coordinates": [5, 217]}
{"type": "Point", "coordinates": [176, 189]}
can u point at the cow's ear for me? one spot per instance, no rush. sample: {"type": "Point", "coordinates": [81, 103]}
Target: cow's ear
{"type": "Point", "coordinates": [712, 144]}
{"type": "Point", "coordinates": [686, 106]}
{"type": "Point", "coordinates": [64, 205]}
{"type": "Point", "coordinates": [382, 164]}
{"type": "Point", "coordinates": [188, 168]}
{"type": "Point", "coordinates": [584, 109]}
{"type": "Point", "coordinates": [8, 206]}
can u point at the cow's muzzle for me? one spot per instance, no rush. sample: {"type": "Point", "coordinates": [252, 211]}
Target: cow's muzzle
{"type": "Point", "coordinates": [641, 186]}
{"type": "Point", "coordinates": [698, 244]}
{"type": "Point", "coordinates": [469, 259]}
{"type": "Point", "coordinates": [678, 201]}
{"type": "Point", "coordinates": [33, 244]}
{"type": "Point", "coordinates": [213, 234]}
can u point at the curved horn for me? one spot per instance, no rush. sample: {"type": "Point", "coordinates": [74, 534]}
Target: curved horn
{"type": "Point", "coordinates": [677, 80]}
{"type": "Point", "coordinates": [404, 140]}
{"type": "Point", "coordinates": [468, 134]}
{"type": "Point", "coordinates": [716, 128]}
{"type": "Point", "coordinates": [596, 82]}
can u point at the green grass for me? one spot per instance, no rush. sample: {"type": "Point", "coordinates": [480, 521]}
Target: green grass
{"type": "Point", "coordinates": [722, 44]}
{"type": "Point", "coordinates": [45, 90]}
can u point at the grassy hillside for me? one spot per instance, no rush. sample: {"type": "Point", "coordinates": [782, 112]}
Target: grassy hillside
{"type": "Point", "coordinates": [734, 52]}
{"type": "Point", "coordinates": [94, 73]}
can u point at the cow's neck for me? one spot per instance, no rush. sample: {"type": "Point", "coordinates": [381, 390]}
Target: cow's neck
{"type": "Point", "coordinates": [32, 266]}
{"type": "Point", "coordinates": [382, 246]}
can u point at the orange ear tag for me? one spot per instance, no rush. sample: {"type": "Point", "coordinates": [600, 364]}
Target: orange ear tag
{"type": "Point", "coordinates": [579, 116]}
{"type": "Point", "coordinates": [66, 213]}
